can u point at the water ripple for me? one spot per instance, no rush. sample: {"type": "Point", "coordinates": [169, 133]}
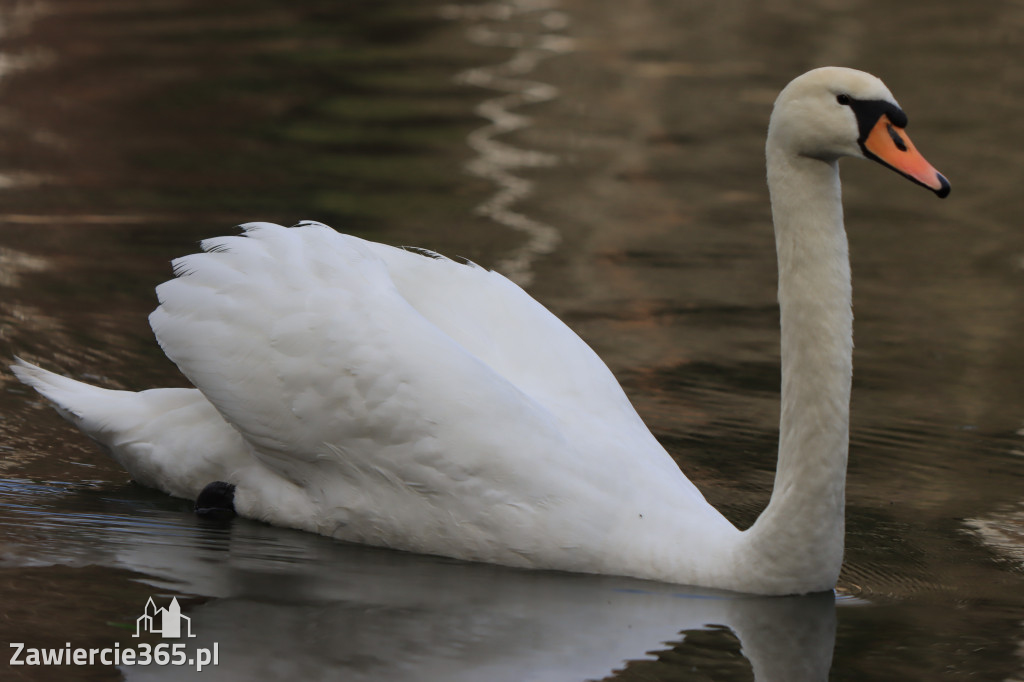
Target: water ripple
{"type": "Point", "coordinates": [498, 161]}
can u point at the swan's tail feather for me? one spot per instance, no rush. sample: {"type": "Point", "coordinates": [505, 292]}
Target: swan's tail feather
{"type": "Point", "coordinates": [167, 438]}
{"type": "Point", "coordinates": [76, 401]}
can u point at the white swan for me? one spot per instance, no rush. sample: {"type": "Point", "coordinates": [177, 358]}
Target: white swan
{"type": "Point", "coordinates": [380, 396]}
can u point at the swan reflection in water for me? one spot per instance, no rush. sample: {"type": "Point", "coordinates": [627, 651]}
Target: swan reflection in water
{"type": "Point", "coordinates": [294, 605]}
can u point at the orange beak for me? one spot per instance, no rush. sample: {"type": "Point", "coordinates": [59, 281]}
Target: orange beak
{"type": "Point", "coordinates": [890, 145]}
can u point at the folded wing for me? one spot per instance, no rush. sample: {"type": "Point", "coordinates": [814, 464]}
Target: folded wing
{"type": "Point", "coordinates": [365, 373]}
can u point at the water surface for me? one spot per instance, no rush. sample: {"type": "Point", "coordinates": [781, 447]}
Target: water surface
{"type": "Point", "coordinates": [609, 156]}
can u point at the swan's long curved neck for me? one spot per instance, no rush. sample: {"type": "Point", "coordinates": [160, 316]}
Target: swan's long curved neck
{"type": "Point", "coordinates": [798, 538]}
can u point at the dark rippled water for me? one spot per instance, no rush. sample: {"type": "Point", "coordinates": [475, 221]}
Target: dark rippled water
{"type": "Point", "coordinates": [608, 156]}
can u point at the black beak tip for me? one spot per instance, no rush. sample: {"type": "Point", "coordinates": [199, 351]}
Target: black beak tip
{"type": "Point", "coordinates": [943, 191]}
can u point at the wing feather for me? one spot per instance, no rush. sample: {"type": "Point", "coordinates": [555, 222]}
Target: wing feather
{"type": "Point", "coordinates": [499, 323]}
{"type": "Point", "coordinates": [362, 373]}
{"type": "Point", "coordinates": [300, 339]}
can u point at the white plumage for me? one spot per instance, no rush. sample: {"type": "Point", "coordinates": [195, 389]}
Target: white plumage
{"type": "Point", "coordinates": [402, 399]}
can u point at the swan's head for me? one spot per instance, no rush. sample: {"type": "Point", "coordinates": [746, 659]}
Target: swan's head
{"type": "Point", "coordinates": [832, 112]}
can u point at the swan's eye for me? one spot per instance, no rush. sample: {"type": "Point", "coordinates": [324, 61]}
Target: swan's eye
{"type": "Point", "coordinates": [843, 99]}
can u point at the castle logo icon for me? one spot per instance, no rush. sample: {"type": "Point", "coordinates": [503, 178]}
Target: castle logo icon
{"type": "Point", "coordinates": [166, 622]}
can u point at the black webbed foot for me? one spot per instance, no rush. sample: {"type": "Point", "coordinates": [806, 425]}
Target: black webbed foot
{"type": "Point", "coordinates": [216, 501]}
